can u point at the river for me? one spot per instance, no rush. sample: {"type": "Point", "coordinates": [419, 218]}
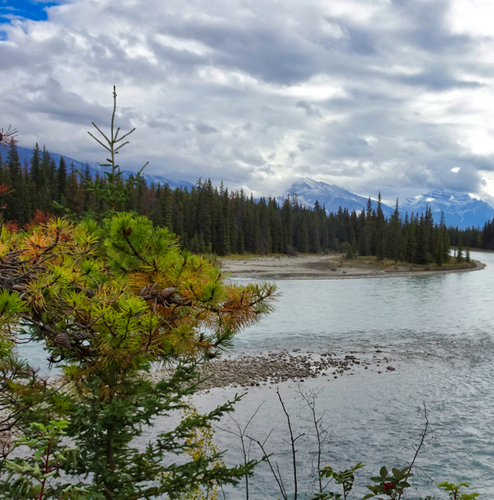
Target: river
{"type": "Point", "coordinates": [437, 331]}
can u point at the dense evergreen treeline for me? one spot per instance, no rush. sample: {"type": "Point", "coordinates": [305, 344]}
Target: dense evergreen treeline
{"type": "Point", "coordinates": [218, 221]}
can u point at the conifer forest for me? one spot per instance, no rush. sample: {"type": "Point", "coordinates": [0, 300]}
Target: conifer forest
{"type": "Point", "coordinates": [215, 220]}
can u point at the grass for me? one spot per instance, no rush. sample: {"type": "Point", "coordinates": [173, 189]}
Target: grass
{"type": "Point", "coordinates": [390, 265]}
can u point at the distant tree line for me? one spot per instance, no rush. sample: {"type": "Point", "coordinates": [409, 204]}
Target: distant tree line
{"type": "Point", "coordinates": [215, 220]}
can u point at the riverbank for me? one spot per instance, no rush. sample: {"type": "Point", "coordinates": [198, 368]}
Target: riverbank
{"type": "Point", "coordinates": [329, 267]}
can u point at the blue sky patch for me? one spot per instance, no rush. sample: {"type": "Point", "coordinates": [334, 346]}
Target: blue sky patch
{"type": "Point", "coordinates": [26, 9]}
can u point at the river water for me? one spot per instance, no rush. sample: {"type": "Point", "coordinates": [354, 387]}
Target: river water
{"type": "Point", "coordinates": [437, 331]}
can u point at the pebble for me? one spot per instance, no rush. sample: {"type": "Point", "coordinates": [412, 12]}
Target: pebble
{"type": "Point", "coordinates": [274, 368]}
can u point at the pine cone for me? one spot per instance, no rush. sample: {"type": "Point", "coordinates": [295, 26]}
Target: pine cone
{"type": "Point", "coordinates": [63, 340]}
{"type": "Point", "coordinates": [81, 335]}
{"type": "Point", "coordinates": [168, 292]}
{"type": "Point", "coordinates": [150, 291]}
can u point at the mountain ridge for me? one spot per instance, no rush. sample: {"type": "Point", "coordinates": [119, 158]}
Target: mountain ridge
{"type": "Point", "coordinates": [25, 155]}
{"type": "Point", "coordinates": [331, 196]}
{"type": "Point", "coordinates": [460, 209]}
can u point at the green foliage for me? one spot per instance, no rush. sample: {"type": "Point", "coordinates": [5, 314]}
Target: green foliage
{"type": "Point", "coordinates": [453, 491]}
{"type": "Point", "coordinates": [33, 477]}
{"type": "Point", "coordinates": [349, 250]}
{"type": "Point", "coordinates": [105, 431]}
{"type": "Point", "coordinates": [202, 445]}
{"type": "Point", "coordinates": [459, 251]}
{"type": "Point", "coordinates": [387, 484]}
{"type": "Point", "coordinates": [345, 477]}
{"type": "Point", "coordinates": [392, 485]}
{"type": "Point", "coordinates": [110, 297]}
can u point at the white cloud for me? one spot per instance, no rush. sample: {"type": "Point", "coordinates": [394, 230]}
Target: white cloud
{"type": "Point", "coordinates": [471, 17]}
{"type": "Point", "coordinates": [366, 94]}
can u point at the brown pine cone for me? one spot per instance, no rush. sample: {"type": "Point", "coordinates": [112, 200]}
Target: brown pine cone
{"type": "Point", "coordinates": [63, 340]}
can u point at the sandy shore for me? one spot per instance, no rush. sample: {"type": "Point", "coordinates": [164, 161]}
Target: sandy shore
{"type": "Point", "coordinates": [319, 267]}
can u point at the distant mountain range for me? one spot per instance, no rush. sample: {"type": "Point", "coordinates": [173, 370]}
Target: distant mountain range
{"type": "Point", "coordinates": [462, 210]}
{"type": "Point", "coordinates": [331, 196]}
{"type": "Point", "coordinates": [26, 154]}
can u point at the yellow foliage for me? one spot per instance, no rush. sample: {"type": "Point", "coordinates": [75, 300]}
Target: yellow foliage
{"type": "Point", "coordinates": [202, 445]}
{"type": "Point", "coordinates": [122, 294]}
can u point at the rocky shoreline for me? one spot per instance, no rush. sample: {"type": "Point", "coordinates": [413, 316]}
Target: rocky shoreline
{"type": "Point", "coordinates": [274, 368]}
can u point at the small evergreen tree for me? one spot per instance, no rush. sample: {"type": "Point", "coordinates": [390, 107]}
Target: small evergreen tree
{"type": "Point", "coordinates": [444, 239]}
{"type": "Point", "coordinates": [15, 211]}
{"type": "Point", "coordinates": [61, 182]}
{"type": "Point", "coordinates": [108, 298]}
{"type": "Point", "coordinates": [459, 251]}
{"type": "Point", "coordinates": [394, 238]}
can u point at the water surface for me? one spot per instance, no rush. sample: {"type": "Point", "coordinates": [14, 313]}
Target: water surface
{"type": "Point", "coordinates": [438, 333]}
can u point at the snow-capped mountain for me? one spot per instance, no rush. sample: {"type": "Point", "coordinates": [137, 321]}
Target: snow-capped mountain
{"type": "Point", "coordinates": [331, 196]}
{"type": "Point", "coordinates": [462, 210]}
{"type": "Point", "coordinates": [26, 154]}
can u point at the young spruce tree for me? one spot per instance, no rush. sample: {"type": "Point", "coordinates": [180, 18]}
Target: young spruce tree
{"type": "Point", "coordinates": [109, 298]}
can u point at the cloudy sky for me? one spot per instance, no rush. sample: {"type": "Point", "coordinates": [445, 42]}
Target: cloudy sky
{"type": "Point", "coordinates": [389, 95]}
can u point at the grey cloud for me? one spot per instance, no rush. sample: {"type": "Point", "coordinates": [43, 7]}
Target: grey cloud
{"type": "Point", "coordinates": [51, 99]}
{"type": "Point", "coordinates": [267, 109]}
{"type": "Point", "coordinates": [36, 56]}
{"type": "Point", "coordinates": [478, 162]}
{"type": "Point", "coordinates": [308, 169]}
{"type": "Point", "coordinates": [346, 170]}
{"type": "Point", "coordinates": [304, 146]}
{"type": "Point", "coordinates": [162, 124]}
{"type": "Point", "coordinates": [426, 28]}
{"type": "Point", "coordinates": [227, 98]}
{"type": "Point", "coordinates": [285, 57]}
{"type": "Point", "coordinates": [465, 181]}
{"type": "Point", "coordinates": [173, 55]}
{"type": "Point", "coordinates": [249, 157]}
{"type": "Point", "coordinates": [361, 41]}
{"type": "Point", "coordinates": [204, 128]}
{"type": "Point", "coordinates": [347, 145]}
{"type": "Point", "coordinates": [437, 78]}
{"type": "Point", "coordinates": [309, 109]}
{"type": "Point", "coordinates": [266, 169]}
